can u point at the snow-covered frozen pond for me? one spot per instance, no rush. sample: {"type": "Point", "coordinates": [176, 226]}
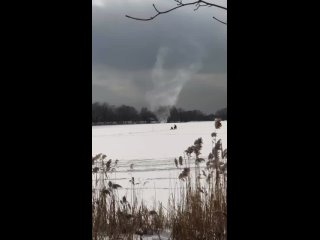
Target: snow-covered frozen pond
{"type": "Point", "coordinates": [151, 148]}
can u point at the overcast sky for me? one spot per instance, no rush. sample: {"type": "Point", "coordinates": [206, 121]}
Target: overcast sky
{"type": "Point", "coordinates": [179, 58]}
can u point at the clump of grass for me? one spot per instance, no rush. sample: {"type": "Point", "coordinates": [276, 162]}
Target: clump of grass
{"type": "Point", "coordinates": [180, 161]}
{"type": "Point", "coordinates": [114, 217]}
{"type": "Point", "coordinates": [185, 173]}
{"type": "Point", "coordinates": [201, 213]}
{"type": "Point", "coordinates": [176, 162]}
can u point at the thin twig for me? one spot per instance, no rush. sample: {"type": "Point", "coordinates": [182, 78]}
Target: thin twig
{"type": "Point", "coordinates": [179, 5]}
{"type": "Point", "coordinates": [198, 5]}
{"type": "Point", "coordinates": [213, 5]}
{"type": "Point", "coordinates": [219, 20]}
{"type": "Point", "coordinates": [155, 8]}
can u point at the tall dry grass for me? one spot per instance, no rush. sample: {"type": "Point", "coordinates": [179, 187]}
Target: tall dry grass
{"type": "Point", "coordinates": [200, 213]}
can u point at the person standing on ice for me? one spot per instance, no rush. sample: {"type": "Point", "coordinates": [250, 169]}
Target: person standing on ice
{"type": "Point", "coordinates": [175, 126]}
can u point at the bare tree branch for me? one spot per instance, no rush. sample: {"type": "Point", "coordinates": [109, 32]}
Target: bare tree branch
{"type": "Point", "coordinates": [179, 5]}
{"type": "Point", "coordinates": [213, 5]}
{"type": "Point", "coordinates": [198, 5]}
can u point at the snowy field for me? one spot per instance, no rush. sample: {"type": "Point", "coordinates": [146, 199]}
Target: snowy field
{"type": "Point", "coordinates": [151, 148]}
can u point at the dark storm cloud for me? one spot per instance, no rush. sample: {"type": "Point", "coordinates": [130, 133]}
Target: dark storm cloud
{"type": "Point", "coordinates": [207, 94]}
{"type": "Point", "coordinates": [125, 52]}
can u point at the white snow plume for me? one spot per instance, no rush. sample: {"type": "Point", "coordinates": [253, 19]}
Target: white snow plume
{"type": "Point", "coordinates": [168, 83]}
{"type": "Point", "coordinates": [162, 113]}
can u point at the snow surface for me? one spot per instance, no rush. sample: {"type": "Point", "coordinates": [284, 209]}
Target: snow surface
{"type": "Point", "coordinates": [152, 148]}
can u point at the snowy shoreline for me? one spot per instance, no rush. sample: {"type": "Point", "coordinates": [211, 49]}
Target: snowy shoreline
{"type": "Point", "coordinates": [151, 149]}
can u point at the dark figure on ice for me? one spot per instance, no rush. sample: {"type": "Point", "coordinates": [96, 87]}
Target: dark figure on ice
{"type": "Point", "coordinates": [174, 127]}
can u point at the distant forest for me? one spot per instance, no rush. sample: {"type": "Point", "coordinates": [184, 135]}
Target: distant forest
{"type": "Point", "coordinates": [103, 113]}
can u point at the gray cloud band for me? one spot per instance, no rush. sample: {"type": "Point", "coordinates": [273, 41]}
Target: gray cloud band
{"type": "Point", "coordinates": [126, 68]}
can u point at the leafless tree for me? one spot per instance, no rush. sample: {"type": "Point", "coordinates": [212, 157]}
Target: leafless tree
{"type": "Point", "coordinates": [180, 4]}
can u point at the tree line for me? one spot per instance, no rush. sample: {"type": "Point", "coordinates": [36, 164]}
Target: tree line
{"type": "Point", "coordinates": [181, 115]}
{"type": "Point", "coordinates": [103, 113]}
